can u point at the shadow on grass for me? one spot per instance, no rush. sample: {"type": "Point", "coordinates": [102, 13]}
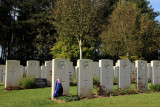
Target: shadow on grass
{"type": "Point", "coordinates": [68, 98]}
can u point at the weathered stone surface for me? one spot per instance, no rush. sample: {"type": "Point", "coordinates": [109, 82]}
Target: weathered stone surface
{"type": "Point", "coordinates": [33, 68]}
{"type": "Point", "coordinates": [132, 67]}
{"type": "Point", "coordinates": [2, 73]}
{"type": "Point", "coordinates": [48, 72]}
{"type": "Point", "coordinates": [43, 71]}
{"type": "Point", "coordinates": [142, 80]}
{"type": "Point", "coordinates": [12, 73]}
{"type": "Point", "coordinates": [60, 69]}
{"type": "Point", "coordinates": [25, 70]}
{"type": "Point", "coordinates": [75, 68]}
{"type": "Point", "coordinates": [85, 78]}
{"type": "Point", "coordinates": [155, 72]}
{"type": "Point", "coordinates": [22, 71]}
{"type": "Point", "coordinates": [124, 74]}
{"type": "Point", "coordinates": [106, 74]}
{"type": "Point", "coordinates": [96, 70]}
{"type": "Point", "coordinates": [149, 71]}
{"type": "Point", "coordinates": [76, 72]}
{"type": "Point", "coordinates": [133, 71]}
{"type": "Point", "coordinates": [116, 70]}
{"type": "Point", "coordinates": [71, 72]}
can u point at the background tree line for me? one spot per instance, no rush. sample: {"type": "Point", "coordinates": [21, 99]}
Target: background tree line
{"type": "Point", "coordinates": [73, 29]}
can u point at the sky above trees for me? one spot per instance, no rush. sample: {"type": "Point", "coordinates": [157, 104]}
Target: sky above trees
{"type": "Point", "coordinates": [156, 5]}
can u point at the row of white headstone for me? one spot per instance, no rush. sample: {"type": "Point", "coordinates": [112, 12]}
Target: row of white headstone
{"type": "Point", "coordinates": [86, 68]}
{"type": "Point", "coordinates": [12, 72]}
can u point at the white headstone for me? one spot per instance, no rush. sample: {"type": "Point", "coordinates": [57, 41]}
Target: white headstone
{"type": "Point", "coordinates": [22, 70]}
{"type": "Point", "coordinates": [132, 67]}
{"type": "Point", "coordinates": [43, 71]}
{"type": "Point", "coordinates": [85, 78]}
{"type": "Point", "coordinates": [60, 69]}
{"type": "Point", "coordinates": [149, 71]}
{"type": "Point", "coordinates": [12, 73]}
{"type": "Point", "coordinates": [75, 68]}
{"type": "Point", "coordinates": [133, 71]}
{"type": "Point", "coordinates": [48, 72]}
{"type": "Point", "coordinates": [106, 74]}
{"type": "Point", "coordinates": [2, 73]}
{"type": "Point", "coordinates": [155, 72]}
{"type": "Point", "coordinates": [96, 69]}
{"type": "Point", "coordinates": [76, 72]}
{"type": "Point", "coordinates": [33, 68]}
{"type": "Point", "coordinates": [116, 70]}
{"type": "Point", "coordinates": [25, 69]}
{"type": "Point", "coordinates": [71, 72]}
{"type": "Point", "coordinates": [142, 80]}
{"type": "Point", "coordinates": [124, 74]}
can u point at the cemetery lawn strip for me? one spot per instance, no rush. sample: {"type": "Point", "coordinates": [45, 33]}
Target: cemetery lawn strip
{"type": "Point", "coordinates": [41, 98]}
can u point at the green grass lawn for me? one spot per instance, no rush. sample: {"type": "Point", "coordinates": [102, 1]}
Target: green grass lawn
{"type": "Point", "coordinates": [41, 98]}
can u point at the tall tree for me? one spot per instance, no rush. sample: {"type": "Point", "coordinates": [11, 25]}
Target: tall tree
{"type": "Point", "coordinates": [145, 8]}
{"type": "Point", "coordinates": [124, 33]}
{"type": "Point", "coordinates": [8, 9]}
{"type": "Point", "coordinates": [122, 30]}
{"type": "Point", "coordinates": [149, 39]}
{"type": "Point", "coordinates": [25, 29]}
{"type": "Point", "coordinates": [35, 29]}
{"type": "Point", "coordinates": [79, 18]}
{"type": "Point", "coordinates": [67, 47]}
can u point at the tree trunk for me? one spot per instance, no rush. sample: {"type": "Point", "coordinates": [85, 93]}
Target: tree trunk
{"type": "Point", "coordinates": [80, 48]}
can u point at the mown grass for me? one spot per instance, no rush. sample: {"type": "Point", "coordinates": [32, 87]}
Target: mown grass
{"type": "Point", "coordinates": [41, 98]}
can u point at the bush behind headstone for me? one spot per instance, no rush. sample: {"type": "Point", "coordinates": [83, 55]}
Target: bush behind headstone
{"type": "Point", "coordinates": [27, 83]}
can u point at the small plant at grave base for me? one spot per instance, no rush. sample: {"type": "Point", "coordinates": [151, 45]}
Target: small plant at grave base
{"type": "Point", "coordinates": [25, 75]}
{"type": "Point", "coordinates": [27, 83]}
{"type": "Point", "coordinates": [10, 88]}
{"type": "Point", "coordinates": [99, 89]}
{"type": "Point", "coordinates": [121, 92]}
{"type": "Point", "coordinates": [115, 81]}
{"type": "Point", "coordinates": [108, 93]}
{"type": "Point", "coordinates": [74, 81]}
{"type": "Point", "coordinates": [133, 78]}
{"type": "Point", "coordinates": [155, 88]}
{"type": "Point", "coordinates": [97, 86]}
{"type": "Point", "coordinates": [140, 86]}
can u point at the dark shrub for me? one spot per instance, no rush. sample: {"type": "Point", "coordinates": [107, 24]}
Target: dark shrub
{"type": "Point", "coordinates": [155, 88]}
{"type": "Point", "coordinates": [27, 83]}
